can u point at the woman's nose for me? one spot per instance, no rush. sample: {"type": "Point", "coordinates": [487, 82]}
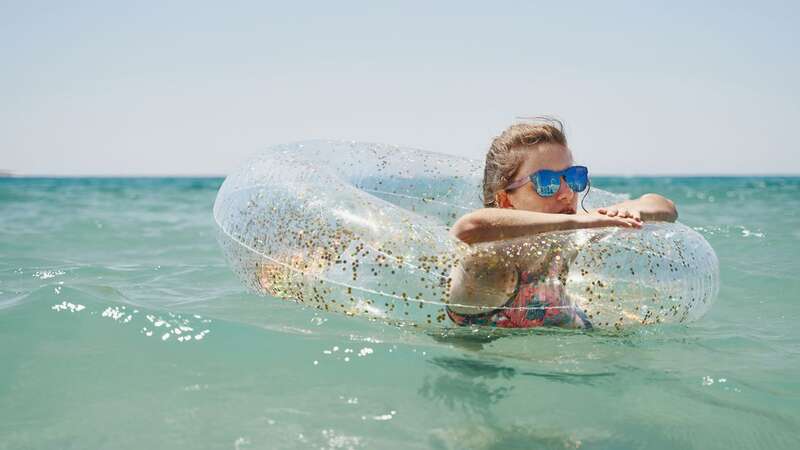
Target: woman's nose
{"type": "Point", "coordinates": [564, 191]}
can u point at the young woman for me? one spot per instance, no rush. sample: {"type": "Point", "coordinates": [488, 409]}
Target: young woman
{"type": "Point", "coordinates": [531, 185]}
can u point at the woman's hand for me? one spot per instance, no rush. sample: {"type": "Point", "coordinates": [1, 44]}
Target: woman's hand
{"type": "Point", "coordinates": [622, 211]}
{"type": "Point", "coordinates": [647, 207]}
{"type": "Point", "coordinates": [595, 219]}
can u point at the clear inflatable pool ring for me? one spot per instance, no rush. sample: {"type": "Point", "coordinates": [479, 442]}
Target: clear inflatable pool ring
{"type": "Point", "coordinates": [363, 229]}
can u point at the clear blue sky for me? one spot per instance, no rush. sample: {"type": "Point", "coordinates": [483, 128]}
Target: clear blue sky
{"type": "Point", "coordinates": [194, 88]}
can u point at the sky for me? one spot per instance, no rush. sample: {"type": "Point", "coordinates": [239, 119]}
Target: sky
{"type": "Point", "coordinates": [194, 88]}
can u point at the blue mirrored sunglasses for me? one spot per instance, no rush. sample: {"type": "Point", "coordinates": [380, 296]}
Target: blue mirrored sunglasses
{"type": "Point", "coordinates": [547, 182]}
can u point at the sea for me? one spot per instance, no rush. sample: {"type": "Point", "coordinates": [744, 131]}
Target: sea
{"type": "Point", "coordinates": [123, 327]}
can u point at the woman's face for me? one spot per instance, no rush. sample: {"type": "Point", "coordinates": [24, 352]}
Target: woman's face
{"type": "Point", "coordinates": [542, 156]}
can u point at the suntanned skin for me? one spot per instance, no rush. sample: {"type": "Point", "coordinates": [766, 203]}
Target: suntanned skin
{"type": "Point", "coordinates": [524, 212]}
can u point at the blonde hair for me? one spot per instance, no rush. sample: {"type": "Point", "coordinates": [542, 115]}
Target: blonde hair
{"type": "Point", "coordinates": [508, 150]}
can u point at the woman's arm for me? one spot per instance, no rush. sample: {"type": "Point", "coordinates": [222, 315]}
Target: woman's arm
{"type": "Point", "coordinates": [494, 224]}
{"type": "Point", "coordinates": [482, 278]}
{"type": "Point", "coordinates": [649, 207]}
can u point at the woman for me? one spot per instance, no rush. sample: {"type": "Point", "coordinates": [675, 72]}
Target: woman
{"type": "Point", "coordinates": [531, 186]}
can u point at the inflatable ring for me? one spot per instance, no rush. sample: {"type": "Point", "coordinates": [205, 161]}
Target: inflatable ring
{"type": "Point", "coordinates": [362, 229]}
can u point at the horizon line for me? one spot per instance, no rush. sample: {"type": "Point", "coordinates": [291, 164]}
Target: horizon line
{"type": "Point", "coordinates": [6, 175]}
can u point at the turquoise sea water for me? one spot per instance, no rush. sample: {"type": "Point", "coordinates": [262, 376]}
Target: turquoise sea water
{"type": "Point", "coordinates": [121, 326]}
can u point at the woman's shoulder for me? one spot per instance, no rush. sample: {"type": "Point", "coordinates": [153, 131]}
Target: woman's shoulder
{"type": "Point", "coordinates": [478, 285]}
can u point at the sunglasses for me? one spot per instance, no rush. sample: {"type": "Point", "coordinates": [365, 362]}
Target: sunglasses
{"type": "Point", "coordinates": [547, 182]}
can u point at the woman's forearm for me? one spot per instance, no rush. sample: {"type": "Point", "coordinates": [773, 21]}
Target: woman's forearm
{"type": "Point", "coordinates": [493, 224]}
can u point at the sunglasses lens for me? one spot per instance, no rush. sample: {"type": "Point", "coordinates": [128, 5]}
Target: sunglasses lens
{"type": "Point", "coordinates": [547, 182]}
{"type": "Point", "coordinates": [577, 177]}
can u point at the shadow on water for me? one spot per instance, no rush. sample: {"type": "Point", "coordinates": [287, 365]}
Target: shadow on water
{"type": "Point", "coordinates": [460, 393]}
{"type": "Point", "coordinates": [469, 385]}
{"type": "Point", "coordinates": [473, 385]}
{"type": "Point", "coordinates": [476, 369]}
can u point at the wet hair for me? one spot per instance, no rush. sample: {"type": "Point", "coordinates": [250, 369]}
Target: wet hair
{"type": "Point", "coordinates": [509, 149]}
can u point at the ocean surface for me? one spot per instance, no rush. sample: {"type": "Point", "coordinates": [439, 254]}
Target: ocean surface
{"type": "Point", "coordinates": [122, 327]}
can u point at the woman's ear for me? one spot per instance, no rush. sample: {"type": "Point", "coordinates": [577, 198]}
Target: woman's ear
{"type": "Point", "coordinates": [502, 200]}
